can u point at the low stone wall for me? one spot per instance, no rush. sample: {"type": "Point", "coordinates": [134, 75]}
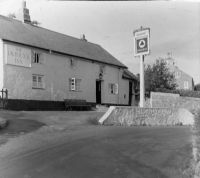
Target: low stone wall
{"type": "Point", "coordinates": [160, 100]}
{"type": "Point", "coordinates": [192, 104]}
{"type": "Point", "coordinates": [134, 116]}
{"type": "Point", "coordinates": [163, 100]}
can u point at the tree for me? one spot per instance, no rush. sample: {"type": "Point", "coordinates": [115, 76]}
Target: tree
{"type": "Point", "coordinates": [158, 76]}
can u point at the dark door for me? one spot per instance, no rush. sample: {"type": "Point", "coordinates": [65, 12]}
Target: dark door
{"type": "Point", "coordinates": [3, 98]}
{"type": "Point", "coordinates": [130, 94]}
{"type": "Point", "coordinates": [98, 92]}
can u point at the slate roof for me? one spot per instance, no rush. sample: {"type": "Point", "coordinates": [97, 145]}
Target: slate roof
{"type": "Point", "coordinates": [128, 75]}
{"type": "Point", "coordinates": [16, 31]}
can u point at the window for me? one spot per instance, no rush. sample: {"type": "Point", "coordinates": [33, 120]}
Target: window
{"type": "Point", "coordinates": [186, 85]}
{"type": "Point", "coordinates": [75, 84]}
{"type": "Point", "coordinates": [38, 81]}
{"type": "Point", "coordinates": [177, 74]}
{"type": "Point", "coordinates": [37, 58]}
{"type": "Point", "coordinates": [78, 84]}
{"type": "Point", "coordinates": [113, 88]}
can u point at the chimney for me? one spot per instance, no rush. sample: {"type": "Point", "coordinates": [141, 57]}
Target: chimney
{"type": "Point", "coordinates": [83, 38]}
{"type": "Point", "coordinates": [23, 14]}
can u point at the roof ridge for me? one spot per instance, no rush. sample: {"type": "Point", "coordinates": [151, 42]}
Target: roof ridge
{"type": "Point", "coordinates": [20, 32]}
{"type": "Point", "coordinates": [43, 28]}
{"type": "Point", "coordinates": [76, 38]}
{"type": "Point", "coordinates": [184, 72]}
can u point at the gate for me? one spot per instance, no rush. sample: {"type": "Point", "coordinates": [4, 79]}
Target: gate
{"type": "Point", "coordinates": [3, 98]}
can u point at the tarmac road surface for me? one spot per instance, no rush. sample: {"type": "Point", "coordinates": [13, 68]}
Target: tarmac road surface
{"type": "Point", "coordinates": [106, 152]}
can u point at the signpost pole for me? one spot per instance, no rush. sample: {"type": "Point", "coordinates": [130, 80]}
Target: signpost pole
{"type": "Point", "coordinates": [141, 48]}
{"type": "Point", "coordinates": [142, 89]}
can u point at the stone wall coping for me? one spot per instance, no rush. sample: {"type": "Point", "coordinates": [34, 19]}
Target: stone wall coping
{"type": "Point", "coordinates": [129, 107]}
{"type": "Point", "coordinates": [164, 94]}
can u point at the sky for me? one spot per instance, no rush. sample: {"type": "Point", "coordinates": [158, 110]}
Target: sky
{"type": "Point", "coordinates": [174, 27]}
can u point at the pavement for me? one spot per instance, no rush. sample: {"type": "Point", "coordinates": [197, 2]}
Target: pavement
{"type": "Point", "coordinates": [71, 146]}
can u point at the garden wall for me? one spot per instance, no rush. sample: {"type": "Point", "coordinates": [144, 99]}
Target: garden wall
{"type": "Point", "coordinates": [160, 100]}
{"type": "Point", "coordinates": [163, 100]}
{"type": "Point", "coordinates": [134, 116]}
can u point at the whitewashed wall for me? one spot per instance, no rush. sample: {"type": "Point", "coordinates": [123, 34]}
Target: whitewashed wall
{"type": "Point", "coordinates": [57, 70]}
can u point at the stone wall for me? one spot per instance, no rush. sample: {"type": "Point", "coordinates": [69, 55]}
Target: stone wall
{"type": "Point", "coordinates": [196, 145]}
{"type": "Point", "coordinates": [163, 100]}
{"type": "Point", "coordinates": [134, 116]}
{"type": "Point", "coordinates": [168, 100]}
{"type": "Point", "coordinates": [192, 104]}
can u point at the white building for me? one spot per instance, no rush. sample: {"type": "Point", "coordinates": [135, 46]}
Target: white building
{"type": "Point", "coordinates": [183, 80]}
{"type": "Point", "coordinates": [40, 68]}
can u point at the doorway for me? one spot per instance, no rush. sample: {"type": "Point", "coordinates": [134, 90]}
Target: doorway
{"type": "Point", "coordinates": [130, 93]}
{"type": "Point", "coordinates": [98, 91]}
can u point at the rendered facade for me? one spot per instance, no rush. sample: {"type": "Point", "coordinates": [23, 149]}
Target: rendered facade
{"type": "Point", "coordinates": [38, 65]}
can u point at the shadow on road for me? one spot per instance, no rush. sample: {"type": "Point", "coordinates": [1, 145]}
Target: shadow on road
{"type": "Point", "coordinates": [17, 126]}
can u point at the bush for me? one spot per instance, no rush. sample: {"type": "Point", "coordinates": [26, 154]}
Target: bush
{"type": "Point", "coordinates": [185, 93]}
{"type": "Point", "coordinates": [157, 75]}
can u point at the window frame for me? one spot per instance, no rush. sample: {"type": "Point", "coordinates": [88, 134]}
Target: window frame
{"type": "Point", "coordinates": [38, 84]}
{"type": "Point", "coordinates": [186, 85]}
{"type": "Point", "coordinates": [177, 75]}
{"type": "Point", "coordinates": [113, 88]}
{"type": "Point", "coordinates": [75, 84]}
{"type": "Point", "coordinates": [37, 58]}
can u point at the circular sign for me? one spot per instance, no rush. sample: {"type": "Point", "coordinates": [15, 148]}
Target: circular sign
{"type": "Point", "coordinates": [142, 43]}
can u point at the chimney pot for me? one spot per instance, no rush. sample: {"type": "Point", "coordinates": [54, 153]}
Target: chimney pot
{"type": "Point", "coordinates": [23, 13]}
{"type": "Point", "coordinates": [83, 37]}
{"type": "Point", "coordinates": [23, 4]}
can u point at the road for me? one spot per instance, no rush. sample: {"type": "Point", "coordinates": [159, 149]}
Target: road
{"type": "Point", "coordinates": [92, 151]}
